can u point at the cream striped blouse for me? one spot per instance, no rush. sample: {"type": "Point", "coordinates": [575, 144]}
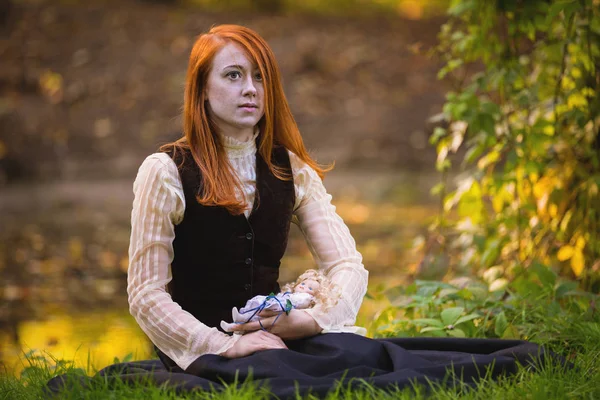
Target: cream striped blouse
{"type": "Point", "coordinates": [159, 205]}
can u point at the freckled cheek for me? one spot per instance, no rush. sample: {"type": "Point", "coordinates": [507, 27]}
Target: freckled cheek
{"type": "Point", "coordinates": [221, 95]}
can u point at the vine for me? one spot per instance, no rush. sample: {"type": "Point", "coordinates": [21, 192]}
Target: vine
{"type": "Point", "coordinates": [526, 126]}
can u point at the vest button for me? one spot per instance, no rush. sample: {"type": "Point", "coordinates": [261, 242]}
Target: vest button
{"type": "Point", "coordinates": [249, 236]}
{"type": "Point", "coordinates": [247, 286]}
{"type": "Point", "coordinates": [248, 261]}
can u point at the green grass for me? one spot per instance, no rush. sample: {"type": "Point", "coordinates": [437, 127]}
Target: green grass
{"type": "Point", "coordinates": [573, 335]}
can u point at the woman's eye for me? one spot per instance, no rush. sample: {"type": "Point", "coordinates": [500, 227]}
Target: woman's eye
{"type": "Point", "coordinates": [234, 74]}
{"type": "Point", "coordinates": [309, 288]}
{"type": "Point", "coordinates": [258, 77]}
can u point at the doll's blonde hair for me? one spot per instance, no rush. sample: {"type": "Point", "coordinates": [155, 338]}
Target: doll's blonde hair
{"type": "Point", "coordinates": [328, 294]}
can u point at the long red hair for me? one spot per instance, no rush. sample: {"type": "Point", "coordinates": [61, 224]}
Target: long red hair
{"type": "Point", "coordinates": [200, 135]}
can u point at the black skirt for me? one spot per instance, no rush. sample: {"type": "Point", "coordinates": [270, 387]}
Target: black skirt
{"type": "Point", "coordinates": [321, 363]}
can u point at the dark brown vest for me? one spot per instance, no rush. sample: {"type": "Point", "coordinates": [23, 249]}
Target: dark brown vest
{"type": "Point", "coordinates": [222, 260]}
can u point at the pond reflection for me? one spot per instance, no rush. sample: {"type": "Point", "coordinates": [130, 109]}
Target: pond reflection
{"type": "Point", "coordinates": [92, 340]}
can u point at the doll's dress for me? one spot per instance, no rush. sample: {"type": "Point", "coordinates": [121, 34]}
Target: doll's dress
{"type": "Point", "coordinates": [277, 303]}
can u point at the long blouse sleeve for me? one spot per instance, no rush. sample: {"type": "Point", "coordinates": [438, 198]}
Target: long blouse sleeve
{"type": "Point", "coordinates": [158, 206]}
{"type": "Point", "coordinates": [332, 247]}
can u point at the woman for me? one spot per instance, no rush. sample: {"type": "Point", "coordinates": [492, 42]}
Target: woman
{"type": "Point", "coordinates": [212, 212]}
{"type": "Point", "coordinates": [216, 206]}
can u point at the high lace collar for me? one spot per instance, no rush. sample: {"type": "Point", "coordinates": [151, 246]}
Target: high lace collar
{"type": "Point", "coordinates": [236, 148]}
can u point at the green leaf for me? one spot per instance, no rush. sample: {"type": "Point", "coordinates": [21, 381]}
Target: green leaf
{"type": "Point", "coordinates": [431, 329]}
{"type": "Point", "coordinates": [438, 133]}
{"type": "Point", "coordinates": [571, 8]}
{"type": "Point", "coordinates": [491, 253]}
{"type": "Point", "coordinates": [487, 124]}
{"type": "Point", "coordinates": [437, 189]}
{"type": "Point", "coordinates": [456, 332]}
{"type": "Point", "coordinates": [466, 318]}
{"type": "Point", "coordinates": [546, 276]}
{"type": "Point", "coordinates": [449, 67]}
{"type": "Point", "coordinates": [434, 284]}
{"type": "Point", "coordinates": [465, 294]}
{"type": "Point", "coordinates": [473, 153]}
{"type": "Point", "coordinates": [526, 288]}
{"type": "Point", "coordinates": [450, 315]}
{"type": "Point", "coordinates": [479, 293]}
{"type": "Point", "coordinates": [460, 7]}
{"type": "Point", "coordinates": [447, 292]}
{"type": "Point", "coordinates": [490, 108]}
{"type": "Point", "coordinates": [501, 324]}
{"type": "Point", "coordinates": [428, 321]}
{"type": "Point", "coordinates": [427, 291]}
{"type": "Point", "coordinates": [555, 9]}
{"type": "Point", "coordinates": [564, 288]}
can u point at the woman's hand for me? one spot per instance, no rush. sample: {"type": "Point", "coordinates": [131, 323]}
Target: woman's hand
{"type": "Point", "coordinates": [253, 342]}
{"type": "Point", "coordinates": [298, 324]}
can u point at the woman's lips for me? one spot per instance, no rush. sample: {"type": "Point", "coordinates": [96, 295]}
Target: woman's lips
{"type": "Point", "coordinates": [249, 107]}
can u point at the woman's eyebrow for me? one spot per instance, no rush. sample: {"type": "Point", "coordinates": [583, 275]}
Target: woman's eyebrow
{"type": "Point", "coordinates": [238, 66]}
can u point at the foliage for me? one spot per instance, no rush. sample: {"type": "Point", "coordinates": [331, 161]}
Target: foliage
{"type": "Point", "coordinates": [537, 306]}
{"type": "Point", "coordinates": [525, 110]}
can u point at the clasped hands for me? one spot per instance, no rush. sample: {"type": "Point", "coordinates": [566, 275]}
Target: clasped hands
{"type": "Point", "coordinates": [295, 325]}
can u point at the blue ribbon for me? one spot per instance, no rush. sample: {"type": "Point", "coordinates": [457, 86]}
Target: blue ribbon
{"type": "Point", "coordinates": [256, 310]}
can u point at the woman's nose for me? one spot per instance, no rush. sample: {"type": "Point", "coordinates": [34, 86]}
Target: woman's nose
{"type": "Point", "coordinates": [249, 88]}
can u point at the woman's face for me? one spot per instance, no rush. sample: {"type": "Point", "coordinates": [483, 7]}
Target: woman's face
{"type": "Point", "coordinates": [234, 93]}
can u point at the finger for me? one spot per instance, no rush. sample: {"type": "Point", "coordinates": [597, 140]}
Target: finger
{"type": "Point", "coordinates": [273, 344]}
{"type": "Point", "coordinates": [280, 342]}
{"type": "Point", "coordinates": [273, 338]}
{"type": "Point", "coordinates": [268, 313]}
{"type": "Point", "coordinates": [265, 323]}
{"type": "Point", "coordinates": [247, 327]}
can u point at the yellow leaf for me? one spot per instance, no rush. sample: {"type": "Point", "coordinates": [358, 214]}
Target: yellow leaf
{"type": "Point", "coordinates": [565, 253]}
{"type": "Point", "coordinates": [501, 198]}
{"type": "Point", "coordinates": [542, 187]}
{"type": "Point", "coordinates": [488, 159]}
{"type": "Point", "coordinates": [548, 130]}
{"type": "Point", "coordinates": [561, 109]}
{"type": "Point", "coordinates": [577, 263]}
{"type": "Point", "coordinates": [498, 284]}
{"type": "Point", "coordinates": [576, 100]}
{"type": "Point", "coordinates": [497, 203]}
{"type": "Point", "coordinates": [553, 210]}
{"type": "Point", "coordinates": [588, 92]}
{"type": "Point", "coordinates": [567, 84]}
{"type": "Point", "coordinates": [580, 244]}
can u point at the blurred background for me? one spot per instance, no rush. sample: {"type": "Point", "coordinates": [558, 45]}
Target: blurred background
{"type": "Point", "coordinates": [88, 89]}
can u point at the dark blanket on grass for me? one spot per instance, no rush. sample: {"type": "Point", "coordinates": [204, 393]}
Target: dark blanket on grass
{"type": "Point", "coordinates": [318, 364]}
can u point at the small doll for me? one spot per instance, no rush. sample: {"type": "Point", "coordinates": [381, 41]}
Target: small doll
{"type": "Point", "coordinates": [311, 288]}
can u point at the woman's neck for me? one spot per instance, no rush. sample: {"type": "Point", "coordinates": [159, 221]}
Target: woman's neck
{"type": "Point", "coordinates": [236, 148]}
{"type": "Point", "coordinates": [243, 135]}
